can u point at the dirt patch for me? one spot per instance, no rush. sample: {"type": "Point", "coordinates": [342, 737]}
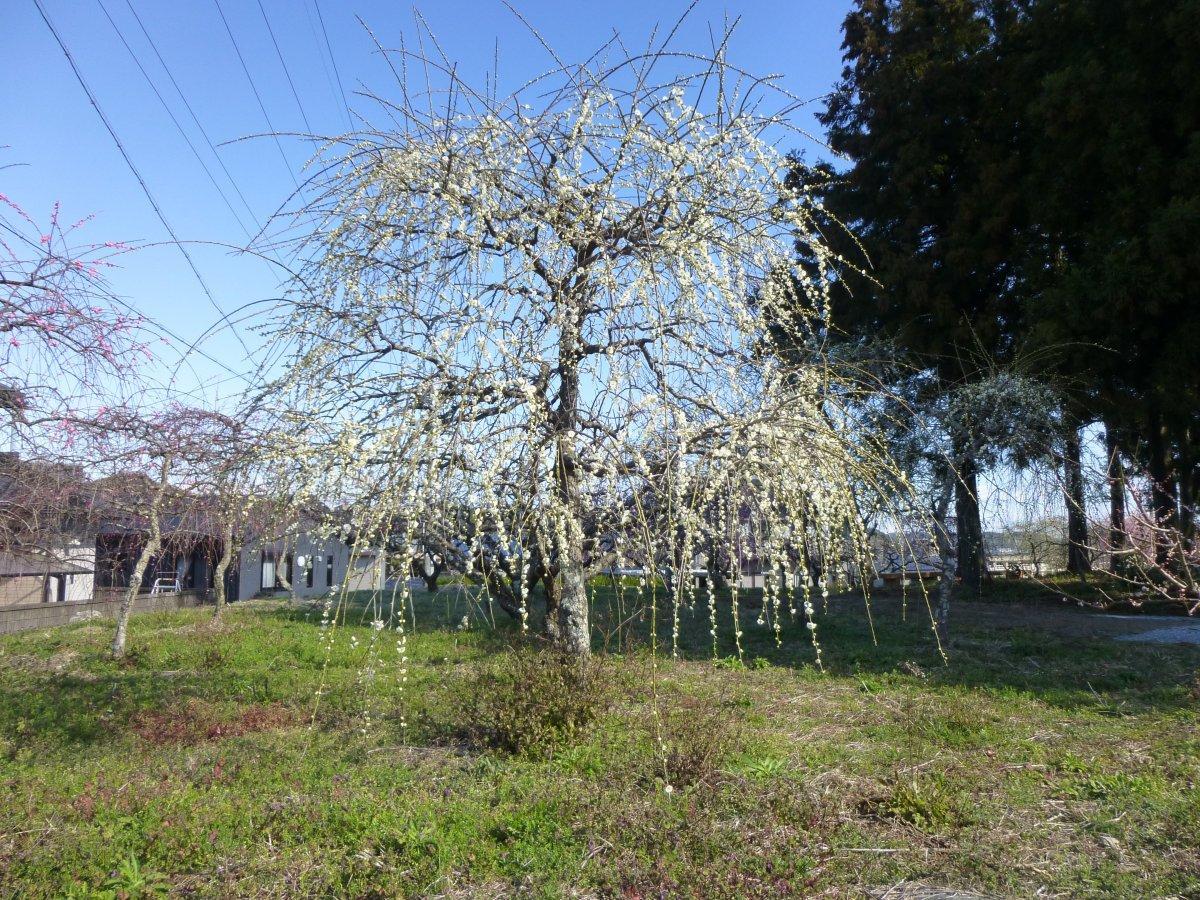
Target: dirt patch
{"type": "Point", "coordinates": [57, 663]}
{"type": "Point", "coordinates": [196, 722]}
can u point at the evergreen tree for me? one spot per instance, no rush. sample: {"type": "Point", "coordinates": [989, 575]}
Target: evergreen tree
{"type": "Point", "coordinates": [921, 113]}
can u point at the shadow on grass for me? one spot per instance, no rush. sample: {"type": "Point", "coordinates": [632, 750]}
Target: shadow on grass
{"type": "Point", "coordinates": [273, 654]}
{"type": "Point", "coordinates": [1042, 653]}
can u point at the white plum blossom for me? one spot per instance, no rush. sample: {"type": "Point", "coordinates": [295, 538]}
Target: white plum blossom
{"type": "Point", "coordinates": [567, 336]}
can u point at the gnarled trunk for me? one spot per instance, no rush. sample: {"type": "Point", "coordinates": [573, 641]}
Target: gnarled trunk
{"type": "Point", "coordinates": [553, 608]}
{"type": "Point", "coordinates": [574, 632]}
{"type": "Point", "coordinates": [429, 568]}
{"type": "Point", "coordinates": [222, 567]}
{"type": "Point", "coordinates": [152, 546]}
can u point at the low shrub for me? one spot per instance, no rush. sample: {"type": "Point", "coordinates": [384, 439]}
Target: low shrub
{"type": "Point", "coordinates": [534, 701]}
{"type": "Point", "coordinates": [694, 743]}
{"type": "Point", "coordinates": [925, 803]}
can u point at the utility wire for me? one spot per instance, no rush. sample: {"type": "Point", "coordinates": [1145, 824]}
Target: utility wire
{"type": "Point", "coordinates": [257, 95]}
{"type": "Point", "coordinates": [286, 71]}
{"type": "Point", "coordinates": [174, 120]}
{"type": "Point", "coordinates": [333, 60]}
{"type": "Point", "coordinates": [203, 131]}
{"type": "Point", "coordinates": [191, 112]}
{"type": "Point", "coordinates": [134, 169]}
{"type": "Point", "coordinates": [212, 147]}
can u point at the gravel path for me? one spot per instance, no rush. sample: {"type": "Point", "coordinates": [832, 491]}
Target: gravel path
{"type": "Point", "coordinates": [1166, 630]}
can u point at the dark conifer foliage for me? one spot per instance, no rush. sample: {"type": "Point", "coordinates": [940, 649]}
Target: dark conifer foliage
{"type": "Point", "coordinates": [1024, 178]}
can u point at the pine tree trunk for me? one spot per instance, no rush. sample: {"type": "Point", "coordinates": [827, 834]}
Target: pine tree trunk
{"type": "Point", "coordinates": [1187, 491]}
{"type": "Point", "coordinates": [1162, 499]}
{"type": "Point", "coordinates": [1117, 537]}
{"type": "Point", "coordinates": [149, 550]}
{"type": "Point", "coordinates": [946, 582]}
{"type": "Point", "coordinates": [1078, 561]}
{"type": "Point", "coordinates": [970, 529]}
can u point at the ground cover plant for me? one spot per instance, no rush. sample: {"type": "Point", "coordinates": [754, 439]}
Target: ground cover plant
{"type": "Point", "coordinates": [1041, 756]}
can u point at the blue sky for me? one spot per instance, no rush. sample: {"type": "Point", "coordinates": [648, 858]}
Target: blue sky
{"type": "Point", "coordinates": [63, 153]}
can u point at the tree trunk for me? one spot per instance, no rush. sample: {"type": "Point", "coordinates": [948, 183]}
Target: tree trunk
{"type": "Point", "coordinates": [1162, 499]}
{"type": "Point", "coordinates": [945, 583]}
{"type": "Point", "coordinates": [283, 573]}
{"type": "Point", "coordinates": [222, 567]}
{"type": "Point", "coordinates": [553, 608]}
{"type": "Point", "coordinates": [149, 550]}
{"type": "Point", "coordinates": [1187, 491]}
{"type": "Point", "coordinates": [717, 570]}
{"type": "Point", "coordinates": [574, 630]}
{"type": "Point", "coordinates": [1078, 561]}
{"type": "Point", "coordinates": [970, 529]}
{"type": "Point", "coordinates": [429, 569]}
{"type": "Point", "coordinates": [1117, 537]}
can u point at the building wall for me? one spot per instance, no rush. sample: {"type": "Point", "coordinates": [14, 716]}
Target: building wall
{"type": "Point", "coordinates": [23, 576]}
{"type": "Point", "coordinates": [21, 590]}
{"type": "Point", "coordinates": [331, 560]}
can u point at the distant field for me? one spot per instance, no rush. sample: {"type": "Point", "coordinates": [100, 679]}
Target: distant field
{"type": "Point", "coordinates": [1042, 756]}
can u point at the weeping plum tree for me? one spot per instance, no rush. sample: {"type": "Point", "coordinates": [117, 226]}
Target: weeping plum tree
{"type": "Point", "coordinates": [558, 317]}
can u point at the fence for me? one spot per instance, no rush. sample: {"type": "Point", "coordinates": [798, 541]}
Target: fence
{"type": "Point", "coordinates": [48, 615]}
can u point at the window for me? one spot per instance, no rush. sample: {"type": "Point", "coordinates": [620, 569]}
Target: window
{"type": "Point", "coordinates": [267, 582]}
{"type": "Point", "coordinates": [308, 571]}
{"type": "Point", "coordinates": [329, 571]}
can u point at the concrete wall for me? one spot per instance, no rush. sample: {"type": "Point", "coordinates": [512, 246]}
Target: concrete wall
{"type": "Point", "coordinates": [48, 615]}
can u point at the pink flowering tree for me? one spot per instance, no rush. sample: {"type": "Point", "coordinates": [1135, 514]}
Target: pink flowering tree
{"type": "Point", "coordinates": [170, 473]}
{"type": "Point", "coordinates": [66, 342]}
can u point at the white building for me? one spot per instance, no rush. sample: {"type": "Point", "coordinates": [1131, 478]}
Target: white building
{"type": "Point", "coordinates": [308, 566]}
{"type": "Point", "coordinates": [62, 574]}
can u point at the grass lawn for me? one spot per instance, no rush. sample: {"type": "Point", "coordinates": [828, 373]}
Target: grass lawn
{"type": "Point", "coordinates": [1042, 756]}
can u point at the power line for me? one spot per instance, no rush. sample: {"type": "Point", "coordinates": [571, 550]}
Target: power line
{"type": "Point", "coordinates": [333, 61]}
{"type": "Point", "coordinates": [286, 71]}
{"type": "Point", "coordinates": [191, 112]}
{"type": "Point", "coordinates": [174, 120]}
{"type": "Point", "coordinates": [134, 169]}
{"type": "Point", "coordinates": [257, 95]}
{"type": "Point", "coordinates": [203, 131]}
